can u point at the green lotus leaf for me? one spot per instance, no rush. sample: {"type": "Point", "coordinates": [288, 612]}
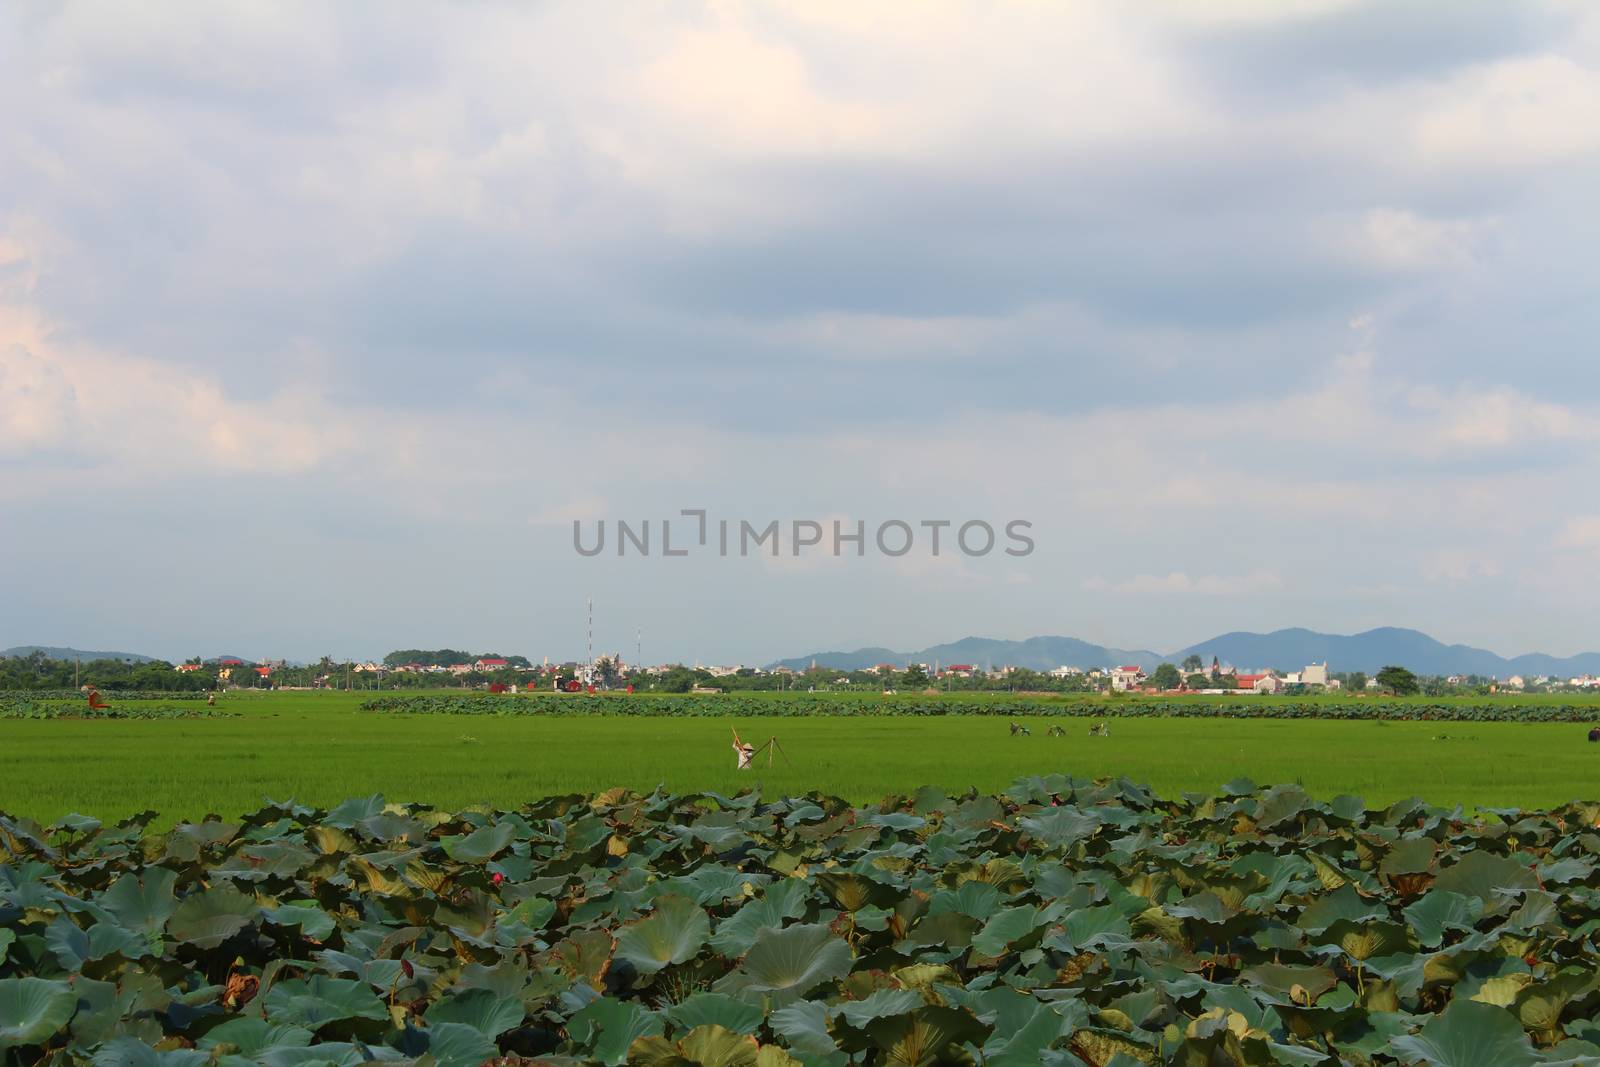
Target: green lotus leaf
{"type": "Point", "coordinates": [1093, 927]}
{"type": "Point", "coordinates": [705, 1046]}
{"type": "Point", "coordinates": [1059, 827]}
{"type": "Point", "coordinates": [923, 1037]}
{"type": "Point", "coordinates": [487, 1012]}
{"type": "Point", "coordinates": [354, 810]}
{"type": "Point", "coordinates": [1343, 903]}
{"type": "Point", "coordinates": [1570, 869]}
{"type": "Point", "coordinates": [780, 901]}
{"type": "Point", "coordinates": [1280, 805]}
{"type": "Point", "coordinates": [481, 845]}
{"type": "Point", "coordinates": [131, 1052]}
{"type": "Point", "coordinates": [1485, 876]}
{"type": "Point", "coordinates": [250, 1036]}
{"type": "Point", "coordinates": [1440, 910]}
{"type": "Point", "coordinates": [33, 1009]}
{"type": "Point", "coordinates": [883, 1003]}
{"type": "Point", "coordinates": [1410, 855]}
{"type": "Point", "coordinates": [804, 1025]}
{"type": "Point", "coordinates": [336, 1053]}
{"type": "Point", "coordinates": [715, 1009]}
{"type": "Point", "coordinates": [672, 933]}
{"type": "Point", "coordinates": [314, 923]}
{"type": "Point", "coordinates": [73, 946]}
{"type": "Point", "coordinates": [459, 1044]}
{"type": "Point", "coordinates": [1299, 984]}
{"type": "Point", "coordinates": [7, 939]}
{"type": "Point", "coordinates": [209, 918]}
{"type": "Point", "coordinates": [1468, 1034]}
{"type": "Point", "coordinates": [976, 899]}
{"type": "Point", "coordinates": [1006, 926]}
{"type": "Point", "coordinates": [319, 1000]}
{"type": "Point", "coordinates": [1364, 940]}
{"type": "Point", "coordinates": [607, 1027]}
{"type": "Point", "coordinates": [787, 964]}
{"type": "Point", "coordinates": [852, 892]}
{"type": "Point", "coordinates": [142, 901]}
{"type": "Point", "coordinates": [1019, 1044]}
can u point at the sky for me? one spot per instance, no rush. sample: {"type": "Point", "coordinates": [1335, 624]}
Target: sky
{"type": "Point", "coordinates": [320, 325]}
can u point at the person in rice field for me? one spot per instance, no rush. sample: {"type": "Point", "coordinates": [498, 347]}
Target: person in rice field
{"type": "Point", "coordinates": [1594, 734]}
{"type": "Point", "coordinates": [744, 752]}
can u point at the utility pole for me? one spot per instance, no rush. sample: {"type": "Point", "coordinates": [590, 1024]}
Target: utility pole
{"type": "Point", "coordinates": [591, 630]}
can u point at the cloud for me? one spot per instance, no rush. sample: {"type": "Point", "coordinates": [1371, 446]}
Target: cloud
{"type": "Point", "coordinates": [415, 290]}
{"type": "Point", "coordinates": [1580, 533]}
{"type": "Point", "coordinates": [1458, 565]}
{"type": "Point", "coordinates": [1179, 583]}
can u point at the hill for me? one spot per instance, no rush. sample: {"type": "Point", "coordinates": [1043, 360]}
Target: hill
{"type": "Point", "coordinates": [1035, 653]}
{"type": "Point", "coordinates": [74, 653]}
{"type": "Point", "coordinates": [1288, 649]}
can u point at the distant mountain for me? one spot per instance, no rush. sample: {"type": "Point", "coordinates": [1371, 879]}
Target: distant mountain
{"type": "Point", "coordinates": [1036, 653]}
{"type": "Point", "coordinates": [1283, 649]}
{"type": "Point", "coordinates": [74, 653]}
{"type": "Point", "coordinates": [1374, 649]}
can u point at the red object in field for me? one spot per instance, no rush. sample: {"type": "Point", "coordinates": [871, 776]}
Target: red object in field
{"type": "Point", "coordinates": [497, 687]}
{"type": "Point", "coordinates": [572, 685]}
{"type": "Point", "coordinates": [630, 687]}
{"type": "Point", "coordinates": [96, 703]}
{"type": "Point", "coordinates": [591, 690]}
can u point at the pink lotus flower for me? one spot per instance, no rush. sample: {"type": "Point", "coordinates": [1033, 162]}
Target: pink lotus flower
{"type": "Point", "coordinates": [498, 877]}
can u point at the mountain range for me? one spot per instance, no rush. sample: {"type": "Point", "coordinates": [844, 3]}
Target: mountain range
{"type": "Point", "coordinates": [1289, 649]}
{"type": "Point", "coordinates": [56, 652]}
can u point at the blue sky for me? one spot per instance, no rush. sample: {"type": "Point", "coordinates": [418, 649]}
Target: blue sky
{"type": "Point", "coordinates": [319, 325]}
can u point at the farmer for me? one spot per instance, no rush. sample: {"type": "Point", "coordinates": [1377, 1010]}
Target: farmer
{"type": "Point", "coordinates": [1594, 735]}
{"type": "Point", "coordinates": [745, 753]}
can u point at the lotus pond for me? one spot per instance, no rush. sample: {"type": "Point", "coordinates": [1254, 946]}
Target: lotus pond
{"type": "Point", "coordinates": [1059, 922]}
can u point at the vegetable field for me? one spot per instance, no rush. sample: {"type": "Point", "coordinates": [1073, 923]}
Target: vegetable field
{"type": "Point", "coordinates": [321, 747]}
{"type": "Point", "coordinates": [1060, 922]}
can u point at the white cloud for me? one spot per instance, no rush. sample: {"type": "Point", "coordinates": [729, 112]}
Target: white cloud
{"type": "Point", "coordinates": [1458, 565]}
{"type": "Point", "coordinates": [1580, 533]}
{"type": "Point", "coordinates": [1180, 583]}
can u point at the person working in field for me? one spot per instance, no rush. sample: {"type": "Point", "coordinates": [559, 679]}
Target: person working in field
{"type": "Point", "coordinates": [745, 753]}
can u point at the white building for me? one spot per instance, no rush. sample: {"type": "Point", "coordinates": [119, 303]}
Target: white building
{"type": "Point", "coordinates": [1126, 678]}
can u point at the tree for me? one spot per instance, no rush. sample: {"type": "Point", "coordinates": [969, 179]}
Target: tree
{"type": "Point", "coordinates": [1398, 681]}
{"type": "Point", "coordinates": [1193, 663]}
{"type": "Point", "coordinates": [606, 673]}
{"type": "Point", "coordinates": [1356, 680]}
{"type": "Point", "coordinates": [1198, 681]}
{"type": "Point", "coordinates": [1166, 677]}
{"type": "Point", "coordinates": [915, 677]}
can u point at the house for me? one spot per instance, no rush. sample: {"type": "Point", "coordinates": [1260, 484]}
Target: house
{"type": "Point", "coordinates": [1065, 671]}
{"type": "Point", "coordinates": [264, 672]}
{"type": "Point", "coordinates": [887, 668]}
{"type": "Point", "coordinates": [1516, 681]}
{"type": "Point", "coordinates": [1126, 678]}
{"type": "Point", "coordinates": [960, 670]}
{"type": "Point", "coordinates": [230, 661]}
{"type": "Point", "coordinates": [186, 668]}
{"type": "Point", "coordinates": [460, 668]}
{"type": "Point", "coordinates": [1259, 683]}
{"type": "Point", "coordinates": [490, 665]}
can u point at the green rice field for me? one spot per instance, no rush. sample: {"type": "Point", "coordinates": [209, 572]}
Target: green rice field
{"type": "Point", "coordinates": [321, 748]}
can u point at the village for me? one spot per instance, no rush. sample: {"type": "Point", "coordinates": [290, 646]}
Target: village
{"type": "Point", "coordinates": [611, 671]}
